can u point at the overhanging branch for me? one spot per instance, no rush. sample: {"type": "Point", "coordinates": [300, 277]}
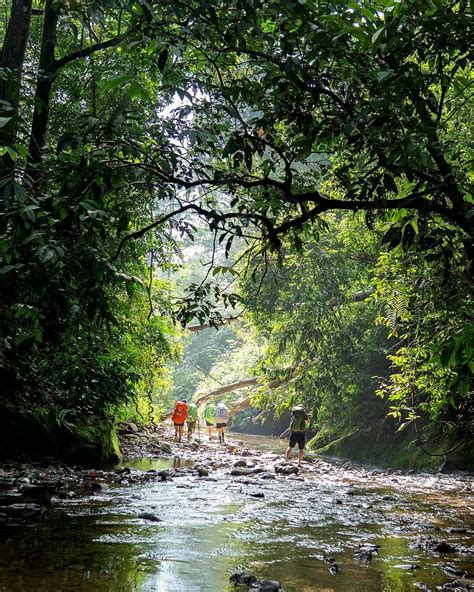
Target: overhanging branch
{"type": "Point", "coordinates": [87, 51]}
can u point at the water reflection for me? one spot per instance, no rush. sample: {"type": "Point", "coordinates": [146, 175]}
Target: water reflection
{"type": "Point", "coordinates": [158, 464]}
{"type": "Point", "coordinates": [211, 528]}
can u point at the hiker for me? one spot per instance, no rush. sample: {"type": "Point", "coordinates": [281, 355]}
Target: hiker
{"type": "Point", "coordinates": [191, 419]}
{"type": "Point", "coordinates": [297, 429]}
{"type": "Point", "coordinates": [222, 417]}
{"type": "Point", "coordinates": [180, 412]}
{"type": "Point", "coordinates": [209, 416]}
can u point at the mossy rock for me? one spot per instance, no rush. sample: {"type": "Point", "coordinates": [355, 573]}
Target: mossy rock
{"type": "Point", "coordinates": [382, 445]}
{"type": "Point", "coordinates": [38, 434]}
{"type": "Point", "coordinates": [94, 444]}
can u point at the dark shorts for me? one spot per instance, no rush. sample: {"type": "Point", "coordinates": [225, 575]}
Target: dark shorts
{"type": "Point", "coordinates": [178, 425]}
{"type": "Point", "coordinates": [221, 425]}
{"type": "Point", "coordinates": [209, 423]}
{"type": "Point", "coordinates": [191, 424]}
{"type": "Point", "coordinates": [297, 438]}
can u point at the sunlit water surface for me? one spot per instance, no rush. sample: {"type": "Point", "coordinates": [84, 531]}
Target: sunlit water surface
{"type": "Point", "coordinates": [213, 527]}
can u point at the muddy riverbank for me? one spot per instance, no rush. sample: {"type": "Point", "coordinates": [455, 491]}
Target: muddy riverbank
{"type": "Point", "coordinates": [181, 517]}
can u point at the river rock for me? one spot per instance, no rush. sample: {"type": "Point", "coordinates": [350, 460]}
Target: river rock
{"type": "Point", "coordinates": [240, 463]}
{"type": "Point", "coordinates": [245, 472]}
{"type": "Point", "coordinates": [460, 584]}
{"type": "Point", "coordinates": [333, 567]}
{"type": "Point", "coordinates": [454, 572]}
{"type": "Point", "coordinates": [286, 469]}
{"type": "Point", "coordinates": [202, 471]}
{"type": "Point", "coordinates": [267, 586]}
{"type": "Point", "coordinates": [458, 530]}
{"type": "Point", "coordinates": [242, 579]}
{"type": "Point", "coordinates": [433, 545]}
{"type": "Point", "coordinates": [42, 493]}
{"type": "Point", "coordinates": [96, 486]}
{"type": "Point", "coordinates": [150, 516]}
{"type": "Point", "coordinates": [365, 552]}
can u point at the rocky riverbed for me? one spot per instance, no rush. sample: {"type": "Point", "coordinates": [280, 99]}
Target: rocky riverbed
{"type": "Point", "coordinates": [325, 526]}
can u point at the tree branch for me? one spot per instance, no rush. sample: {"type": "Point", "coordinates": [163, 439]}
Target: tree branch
{"type": "Point", "coordinates": [87, 51]}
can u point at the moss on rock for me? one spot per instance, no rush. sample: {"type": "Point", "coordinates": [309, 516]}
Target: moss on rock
{"type": "Point", "coordinates": [382, 445]}
{"type": "Point", "coordinates": [38, 434]}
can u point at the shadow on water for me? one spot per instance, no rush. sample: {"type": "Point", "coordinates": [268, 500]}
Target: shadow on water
{"type": "Point", "coordinates": [211, 528]}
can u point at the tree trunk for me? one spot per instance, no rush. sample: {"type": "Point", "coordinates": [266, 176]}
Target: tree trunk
{"type": "Point", "coordinates": [44, 86]}
{"type": "Point", "coordinates": [12, 59]}
{"type": "Point", "coordinates": [236, 386]}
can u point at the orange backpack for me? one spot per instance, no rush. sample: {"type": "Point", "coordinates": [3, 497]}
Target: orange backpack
{"type": "Point", "coordinates": [180, 412]}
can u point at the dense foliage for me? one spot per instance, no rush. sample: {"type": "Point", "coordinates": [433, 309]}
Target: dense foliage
{"type": "Point", "coordinates": [124, 127]}
{"type": "Point", "coordinates": [322, 341]}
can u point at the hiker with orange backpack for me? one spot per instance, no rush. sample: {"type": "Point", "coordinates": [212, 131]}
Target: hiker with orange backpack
{"type": "Point", "coordinates": [180, 413]}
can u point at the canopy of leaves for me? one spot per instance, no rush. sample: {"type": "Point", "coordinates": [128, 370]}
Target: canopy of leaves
{"type": "Point", "coordinates": [125, 126]}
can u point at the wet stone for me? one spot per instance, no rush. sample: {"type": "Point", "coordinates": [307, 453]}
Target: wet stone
{"type": "Point", "coordinates": [333, 567]}
{"type": "Point", "coordinates": [286, 470]}
{"type": "Point", "coordinates": [460, 584]}
{"type": "Point", "coordinates": [454, 572]}
{"type": "Point", "coordinates": [365, 552]}
{"type": "Point", "coordinates": [149, 516]}
{"type": "Point", "coordinates": [244, 472]}
{"type": "Point", "coordinates": [457, 530]}
{"type": "Point", "coordinates": [268, 586]}
{"type": "Point", "coordinates": [41, 492]}
{"type": "Point", "coordinates": [433, 545]}
{"type": "Point", "coordinates": [242, 579]}
{"type": "Point", "coordinates": [240, 463]}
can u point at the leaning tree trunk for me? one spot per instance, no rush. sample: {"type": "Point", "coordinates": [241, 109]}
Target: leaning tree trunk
{"type": "Point", "coordinates": [11, 64]}
{"type": "Point", "coordinates": [236, 386]}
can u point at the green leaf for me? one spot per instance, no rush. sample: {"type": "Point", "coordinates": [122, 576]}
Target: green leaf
{"type": "Point", "coordinates": [377, 34]}
{"type": "Point", "coordinates": [114, 81]}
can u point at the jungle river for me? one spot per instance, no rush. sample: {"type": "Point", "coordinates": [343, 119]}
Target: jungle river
{"type": "Point", "coordinates": [187, 522]}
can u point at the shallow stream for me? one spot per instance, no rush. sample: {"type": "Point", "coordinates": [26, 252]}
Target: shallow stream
{"type": "Point", "coordinates": [214, 526]}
